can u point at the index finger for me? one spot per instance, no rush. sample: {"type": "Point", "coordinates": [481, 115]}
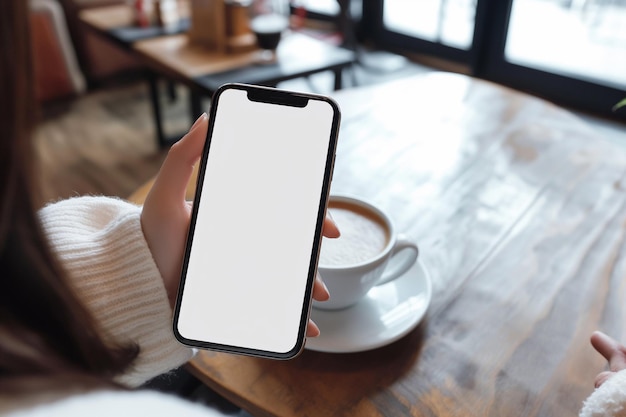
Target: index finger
{"type": "Point", "coordinates": [177, 168]}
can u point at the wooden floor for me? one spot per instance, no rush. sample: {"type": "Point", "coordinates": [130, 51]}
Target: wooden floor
{"type": "Point", "coordinates": [99, 143]}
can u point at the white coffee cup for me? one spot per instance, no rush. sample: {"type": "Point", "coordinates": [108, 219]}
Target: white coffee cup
{"type": "Point", "coordinates": [364, 256]}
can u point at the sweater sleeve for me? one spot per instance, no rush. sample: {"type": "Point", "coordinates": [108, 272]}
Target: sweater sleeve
{"type": "Point", "coordinates": [608, 400]}
{"type": "Point", "coordinates": [100, 243]}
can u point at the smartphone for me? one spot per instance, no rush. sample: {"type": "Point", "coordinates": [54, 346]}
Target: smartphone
{"type": "Point", "coordinates": [256, 225]}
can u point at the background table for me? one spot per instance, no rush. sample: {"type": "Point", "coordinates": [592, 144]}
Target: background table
{"type": "Point", "coordinates": [519, 209]}
{"type": "Point", "coordinates": [169, 53]}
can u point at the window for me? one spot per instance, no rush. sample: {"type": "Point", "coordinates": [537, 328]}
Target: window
{"type": "Point", "coordinates": [572, 52]}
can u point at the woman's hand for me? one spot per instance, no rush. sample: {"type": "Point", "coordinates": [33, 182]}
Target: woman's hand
{"type": "Point", "coordinates": [166, 214]}
{"type": "Point", "coordinates": [613, 351]}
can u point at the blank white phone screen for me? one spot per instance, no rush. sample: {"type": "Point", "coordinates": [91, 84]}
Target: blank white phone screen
{"type": "Point", "coordinates": [255, 227]}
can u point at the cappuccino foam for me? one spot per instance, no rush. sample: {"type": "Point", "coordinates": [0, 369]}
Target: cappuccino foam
{"type": "Point", "coordinates": [364, 235]}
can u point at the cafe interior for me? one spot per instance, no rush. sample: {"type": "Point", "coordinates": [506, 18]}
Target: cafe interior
{"type": "Point", "coordinates": [489, 130]}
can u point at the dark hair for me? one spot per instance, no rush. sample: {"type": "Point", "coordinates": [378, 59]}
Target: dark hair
{"type": "Point", "coordinates": [45, 331]}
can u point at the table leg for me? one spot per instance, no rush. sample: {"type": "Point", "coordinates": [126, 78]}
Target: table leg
{"type": "Point", "coordinates": [171, 90]}
{"type": "Point", "coordinates": [156, 109]}
{"type": "Point", "coordinates": [338, 78]}
{"type": "Point", "coordinates": [195, 105]}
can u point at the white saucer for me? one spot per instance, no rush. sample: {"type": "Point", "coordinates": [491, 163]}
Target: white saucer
{"type": "Point", "coordinates": [387, 313]}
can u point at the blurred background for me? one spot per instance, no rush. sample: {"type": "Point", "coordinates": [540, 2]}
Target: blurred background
{"type": "Point", "coordinates": [96, 133]}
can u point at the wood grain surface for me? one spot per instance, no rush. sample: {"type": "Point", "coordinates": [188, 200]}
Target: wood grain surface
{"type": "Point", "coordinates": [519, 210]}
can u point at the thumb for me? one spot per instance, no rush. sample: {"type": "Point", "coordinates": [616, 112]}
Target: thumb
{"type": "Point", "coordinates": [177, 168]}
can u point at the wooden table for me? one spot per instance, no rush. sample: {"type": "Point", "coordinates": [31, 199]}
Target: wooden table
{"type": "Point", "coordinates": [169, 53]}
{"type": "Point", "coordinates": [519, 209]}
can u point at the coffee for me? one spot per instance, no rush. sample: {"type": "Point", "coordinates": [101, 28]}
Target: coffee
{"type": "Point", "coordinates": [364, 235]}
{"type": "Point", "coordinates": [357, 261]}
{"type": "Point", "coordinates": [268, 30]}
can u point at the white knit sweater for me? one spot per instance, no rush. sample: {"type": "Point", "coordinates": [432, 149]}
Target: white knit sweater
{"type": "Point", "coordinates": [101, 244]}
{"type": "Point", "coordinates": [609, 400]}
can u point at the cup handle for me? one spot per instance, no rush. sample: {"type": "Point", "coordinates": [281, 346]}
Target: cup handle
{"type": "Point", "coordinates": [398, 269]}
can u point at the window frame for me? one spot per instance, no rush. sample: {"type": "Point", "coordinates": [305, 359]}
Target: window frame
{"type": "Point", "coordinates": [485, 59]}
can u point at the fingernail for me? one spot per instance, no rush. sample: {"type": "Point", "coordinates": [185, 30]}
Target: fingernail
{"type": "Point", "coordinates": [325, 288]}
{"type": "Point", "coordinates": [198, 121]}
{"type": "Point", "coordinates": [315, 329]}
{"type": "Point", "coordinates": [330, 216]}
